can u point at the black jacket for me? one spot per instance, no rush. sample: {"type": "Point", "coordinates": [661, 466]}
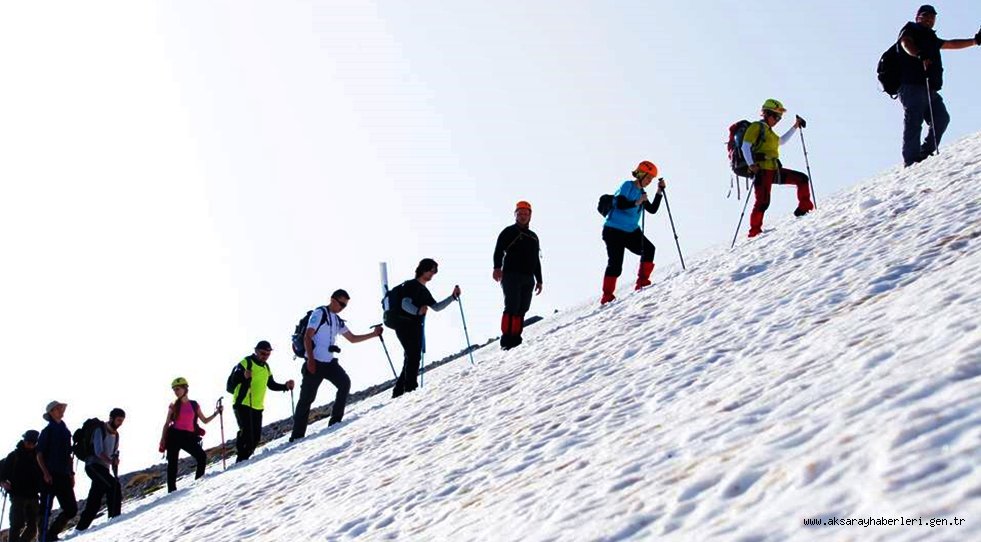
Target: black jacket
{"type": "Point", "coordinates": [518, 251]}
{"type": "Point", "coordinates": [929, 45]}
{"type": "Point", "coordinates": [20, 468]}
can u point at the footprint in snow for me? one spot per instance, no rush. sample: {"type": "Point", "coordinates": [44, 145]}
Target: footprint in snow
{"type": "Point", "coordinates": [747, 271]}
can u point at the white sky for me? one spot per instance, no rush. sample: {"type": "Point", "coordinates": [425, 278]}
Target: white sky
{"type": "Point", "coordinates": [180, 180]}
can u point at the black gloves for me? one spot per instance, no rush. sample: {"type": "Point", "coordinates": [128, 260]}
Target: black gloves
{"type": "Point", "coordinates": [977, 38]}
{"type": "Point", "coordinates": [801, 122]}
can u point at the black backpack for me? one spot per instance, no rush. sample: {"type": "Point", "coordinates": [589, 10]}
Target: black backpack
{"type": "Point", "coordinates": [890, 70]}
{"type": "Point", "coordinates": [605, 204]}
{"type": "Point", "coordinates": [392, 314]}
{"type": "Point", "coordinates": [82, 446]}
{"type": "Point", "coordinates": [300, 351]}
{"type": "Point", "coordinates": [232, 381]}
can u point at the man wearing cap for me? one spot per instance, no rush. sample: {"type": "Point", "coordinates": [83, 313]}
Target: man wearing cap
{"type": "Point", "coordinates": [922, 78]}
{"type": "Point", "coordinates": [518, 267]}
{"type": "Point", "coordinates": [21, 479]}
{"type": "Point", "coordinates": [416, 302]}
{"type": "Point", "coordinates": [105, 456]}
{"type": "Point", "coordinates": [252, 376]}
{"type": "Point", "coordinates": [54, 456]}
{"type": "Point", "coordinates": [320, 344]}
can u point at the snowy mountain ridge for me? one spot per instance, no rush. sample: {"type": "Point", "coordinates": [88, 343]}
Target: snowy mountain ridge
{"type": "Point", "coordinates": [828, 370]}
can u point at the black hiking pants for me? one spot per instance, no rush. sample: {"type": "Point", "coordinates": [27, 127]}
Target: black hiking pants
{"type": "Point", "coordinates": [103, 485]}
{"type": "Point", "coordinates": [249, 431]}
{"type": "Point", "coordinates": [410, 336]}
{"type": "Point", "coordinates": [617, 241]}
{"type": "Point", "coordinates": [333, 373]}
{"type": "Point", "coordinates": [61, 488]}
{"type": "Point", "coordinates": [178, 440]}
{"type": "Point", "coordinates": [24, 518]}
{"type": "Point", "coordinates": [517, 289]}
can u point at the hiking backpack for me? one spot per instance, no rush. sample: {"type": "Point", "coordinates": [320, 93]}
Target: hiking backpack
{"type": "Point", "coordinates": [735, 144]}
{"type": "Point", "coordinates": [232, 381]}
{"type": "Point", "coordinates": [299, 350]}
{"type": "Point", "coordinates": [890, 70]}
{"type": "Point", "coordinates": [82, 446]}
{"type": "Point", "coordinates": [605, 204]}
{"type": "Point", "coordinates": [392, 314]}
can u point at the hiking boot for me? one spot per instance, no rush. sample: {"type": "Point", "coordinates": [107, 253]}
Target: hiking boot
{"type": "Point", "coordinates": [644, 275]}
{"type": "Point", "coordinates": [798, 212]}
{"type": "Point", "coordinates": [609, 286]}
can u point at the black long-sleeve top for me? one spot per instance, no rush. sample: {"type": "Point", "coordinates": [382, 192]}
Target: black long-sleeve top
{"type": "Point", "coordinates": [518, 251]}
{"type": "Point", "coordinates": [22, 471]}
{"type": "Point", "coordinates": [649, 206]}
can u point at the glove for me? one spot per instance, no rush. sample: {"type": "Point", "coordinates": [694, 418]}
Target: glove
{"type": "Point", "coordinates": [977, 38]}
{"type": "Point", "coordinates": [801, 121]}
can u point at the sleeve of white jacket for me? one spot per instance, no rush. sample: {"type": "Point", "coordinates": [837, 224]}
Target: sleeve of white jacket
{"type": "Point", "coordinates": [786, 137]}
{"type": "Point", "coordinates": [748, 153]}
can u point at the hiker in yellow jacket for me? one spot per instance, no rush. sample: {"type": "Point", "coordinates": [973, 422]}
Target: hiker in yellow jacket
{"type": "Point", "coordinates": [253, 376]}
{"type": "Point", "coordinates": [761, 149]}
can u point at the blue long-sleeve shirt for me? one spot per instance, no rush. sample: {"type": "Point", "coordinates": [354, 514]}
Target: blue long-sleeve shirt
{"type": "Point", "coordinates": [625, 215]}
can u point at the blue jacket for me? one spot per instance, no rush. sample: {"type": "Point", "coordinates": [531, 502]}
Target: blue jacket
{"type": "Point", "coordinates": [627, 220]}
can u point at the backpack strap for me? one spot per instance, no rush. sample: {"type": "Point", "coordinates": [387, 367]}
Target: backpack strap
{"type": "Point", "coordinates": [246, 385]}
{"type": "Point", "coordinates": [323, 320]}
{"type": "Point", "coordinates": [194, 412]}
{"type": "Point", "coordinates": [175, 411]}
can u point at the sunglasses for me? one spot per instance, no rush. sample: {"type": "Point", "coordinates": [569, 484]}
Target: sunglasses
{"type": "Point", "coordinates": [775, 115]}
{"type": "Point", "coordinates": [343, 304]}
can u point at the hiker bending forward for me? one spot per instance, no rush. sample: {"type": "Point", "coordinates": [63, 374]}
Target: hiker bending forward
{"type": "Point", "coordinates": [622, 229]}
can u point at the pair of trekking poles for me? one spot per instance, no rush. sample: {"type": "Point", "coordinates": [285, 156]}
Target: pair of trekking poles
{"type": "Point", "coordinates": [422, 364]}
{"type": "Point", "coordinates": [810, 179]}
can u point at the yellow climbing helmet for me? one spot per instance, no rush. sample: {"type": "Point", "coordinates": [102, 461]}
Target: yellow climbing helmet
{"type": "Point", "coordinates": [179, 381]}
{"type": "Point", "coordinates": [774, 105]}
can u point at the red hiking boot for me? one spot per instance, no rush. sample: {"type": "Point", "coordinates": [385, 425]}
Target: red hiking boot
{"type": "Point", "coordinates": [644, 275]}
{"type": "Point", "coordinates": [609, 286]}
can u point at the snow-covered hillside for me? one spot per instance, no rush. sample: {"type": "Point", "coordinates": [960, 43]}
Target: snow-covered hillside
{"type": "Point", "coordinates": [829, 369]}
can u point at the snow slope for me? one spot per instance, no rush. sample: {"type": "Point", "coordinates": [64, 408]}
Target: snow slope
{"type": "Point", "coordinates": [830, 369]}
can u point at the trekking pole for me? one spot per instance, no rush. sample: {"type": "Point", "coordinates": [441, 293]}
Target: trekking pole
{"type": "Point", "coordinates": [221, 423]}
{"type": "Point", "coordinates": [674, 231]}
{"type": "Point", "coordinates": [292, 403]}
{"type": "Point", "coordinates": [807, 162]}
{"type": "Point", "coordinates": [48, 502]}
{"type": "Point", "coordinates": [422, 357]}
{"type": "Point", "coordinates": [4, 512]}
{"type": "Point", "coordinates": [933, 125]}
{"type": "Point", "coordinates": [465, 332]}
{"type": "Point", "coordinates": [387, 356]}
{"type": "Point", "coordinates": [741, 215]}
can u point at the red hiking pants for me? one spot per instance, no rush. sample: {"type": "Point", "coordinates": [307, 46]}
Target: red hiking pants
{"type": "Point", "coordinates": [765, 179]}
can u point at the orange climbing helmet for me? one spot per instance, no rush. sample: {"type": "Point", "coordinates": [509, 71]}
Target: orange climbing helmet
{"type": "Point", "coordinates": [645, 168]}
{"type": "Point", "coordinates": [522, 205]}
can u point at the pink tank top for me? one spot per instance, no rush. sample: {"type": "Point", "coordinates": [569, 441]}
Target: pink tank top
{"type": "Point", "coordinates": [185, 417]}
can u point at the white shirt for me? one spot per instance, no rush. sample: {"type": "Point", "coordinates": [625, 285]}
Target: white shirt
{"type": "Point", "coordinates": [327, 335]}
